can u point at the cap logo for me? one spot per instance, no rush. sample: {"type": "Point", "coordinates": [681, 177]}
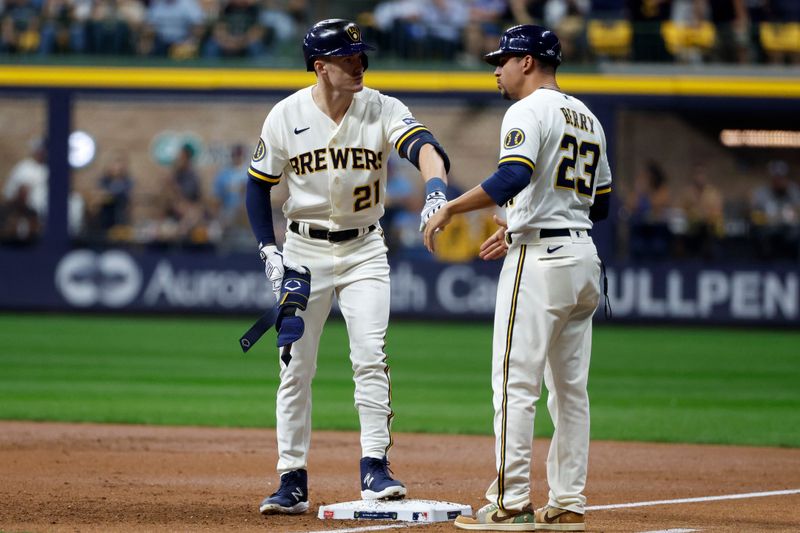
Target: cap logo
{"type": "Point", "coordinates": [354, 33]}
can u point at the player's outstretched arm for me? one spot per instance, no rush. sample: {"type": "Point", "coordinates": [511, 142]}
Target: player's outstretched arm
{"type": "Point", "coordinates": [495, 247]}
{"type": "Point", "coordinates": [432, 168]}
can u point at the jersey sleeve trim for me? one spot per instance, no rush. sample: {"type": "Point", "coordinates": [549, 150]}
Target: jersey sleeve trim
{"type": "Point", "coordinates": [517, 159]}
{"type": "Point", "coordinates": [603, 190]}
{"type": "Point", "coordinates": [263, 176]}
{"type": "Point", "coordinates": [404, 137]}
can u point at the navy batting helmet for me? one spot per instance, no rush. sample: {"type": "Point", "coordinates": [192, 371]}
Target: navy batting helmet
{"type": "Point", "coordinates": [527, 39]}
{"type": "Point", "coordinates": [333, 37]}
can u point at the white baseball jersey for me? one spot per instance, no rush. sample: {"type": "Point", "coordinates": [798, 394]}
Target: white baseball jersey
{"type": "Point", "coordinates": [546, 296]}
{"type": "Point", "coordinates": [336, 173]}
{"type": "Point", "coordinates": [565, 146]}
{"type": "Point", "coordinates": [337, 181]}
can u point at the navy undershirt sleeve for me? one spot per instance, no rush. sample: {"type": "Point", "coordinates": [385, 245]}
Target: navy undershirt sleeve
{"type": "Point", "coordinates": [507, 181]}
{"type": "Point", "coordinates": [259, 210]}
{"type": "Point", "coordinates": [599, 209]}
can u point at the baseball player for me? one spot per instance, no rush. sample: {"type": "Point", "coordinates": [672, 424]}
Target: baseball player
{"type": "Point", "coordinates": [554, 179]}
{"type": "Point", "coordinates": [331, 142]}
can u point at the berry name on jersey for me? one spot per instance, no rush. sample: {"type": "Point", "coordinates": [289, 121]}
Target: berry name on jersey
{"type": "Point", "coordinates": [578, 120]}
{"type": "Point", "coordinates": [336, 158]}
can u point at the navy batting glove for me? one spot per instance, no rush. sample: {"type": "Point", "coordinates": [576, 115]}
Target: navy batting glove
{"type": "Point", "coordinates": [295, 292]}
{"type": "Point", "coordinates": [290, 331]}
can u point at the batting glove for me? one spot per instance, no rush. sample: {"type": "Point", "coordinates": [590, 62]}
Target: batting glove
{"type": "Point", "coordinates": [273, 267]}
{"type": "Point", "coordinates": [295, 292]}
{"type": "Point", "coordinates": [433, 202]}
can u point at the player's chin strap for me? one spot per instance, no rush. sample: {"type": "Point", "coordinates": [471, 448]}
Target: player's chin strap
{"type": "Point", "coordinates": [607, 302]}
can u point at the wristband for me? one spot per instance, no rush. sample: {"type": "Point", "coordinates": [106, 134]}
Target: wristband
{"type": "Point", "coordinates": [435, 185]}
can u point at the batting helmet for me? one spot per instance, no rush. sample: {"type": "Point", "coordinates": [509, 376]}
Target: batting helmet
{"type": "Point", "coordinates": [334, 37]}
{"type": "Point", "coordinates": [527, 39]}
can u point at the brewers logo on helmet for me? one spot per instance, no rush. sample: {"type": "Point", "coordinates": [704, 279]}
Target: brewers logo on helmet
{"type": "Point", "coordinates": [334, 37]}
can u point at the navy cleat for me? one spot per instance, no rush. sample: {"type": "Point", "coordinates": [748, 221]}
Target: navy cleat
{"type": "Point", "coordinates": [291, 497]}
{"type": "Point", "coordinates": [377, 482]}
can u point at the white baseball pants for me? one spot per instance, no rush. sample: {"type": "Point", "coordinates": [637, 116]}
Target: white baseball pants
{"type": "Point", "coordinates": [543, 330]}
{"type": "Point", "coordinates": [357, 272]}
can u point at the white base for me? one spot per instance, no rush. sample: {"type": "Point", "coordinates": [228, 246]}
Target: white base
{"type": "Point", "coordinates": [401, 510]}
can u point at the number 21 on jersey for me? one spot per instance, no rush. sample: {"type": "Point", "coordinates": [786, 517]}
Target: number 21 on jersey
{"type": "Point", "coordinates": [366, 196]}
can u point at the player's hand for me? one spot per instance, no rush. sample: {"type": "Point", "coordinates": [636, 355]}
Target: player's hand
{"type": "Point", "coordinates": [433, 202]}
{"type": "Point", "coordinates": [435, 223]}
{"type": "Point", "coordinates": [273, 267]}
{"type": "Point", "coordinates": [495, 246]}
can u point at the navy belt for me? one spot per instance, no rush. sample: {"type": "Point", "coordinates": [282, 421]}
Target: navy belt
{"type": "Point", "coordinates": [560, 232]}
{"type": "Point", "coordinates": [330, 236]}
{"type": "Point", "coordinates": [546, 233]}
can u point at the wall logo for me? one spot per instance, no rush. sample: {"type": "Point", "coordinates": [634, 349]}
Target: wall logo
{"type": "Point", "coordinates": [111, 279]}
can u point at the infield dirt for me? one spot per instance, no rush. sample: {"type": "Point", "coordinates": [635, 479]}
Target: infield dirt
{"type": "Point", "coordinates": [88, 477]}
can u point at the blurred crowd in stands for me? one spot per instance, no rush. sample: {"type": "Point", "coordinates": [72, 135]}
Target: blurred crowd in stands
{"type": "Point", "coordinates": [460, 31]}
{"type": "Point", "coordinates": [657, 219]}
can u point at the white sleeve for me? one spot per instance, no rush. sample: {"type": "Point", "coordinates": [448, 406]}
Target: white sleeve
{"type": "Point", "coordinates": [520, 137]}
{"type": "Point", "coordinates": [400, 124]}
{"type": "Point", "coordinates": [269, 158]}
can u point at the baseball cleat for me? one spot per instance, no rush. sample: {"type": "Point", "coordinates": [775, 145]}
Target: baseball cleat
{"type": "Point", "coordinates": [555, 519]}
{"type": "Point", "coordinates": [376, 481]}
{"type": "Point", "coordinates": [491, 518]}
{"type": "Point", "coordinates": [291, 497]}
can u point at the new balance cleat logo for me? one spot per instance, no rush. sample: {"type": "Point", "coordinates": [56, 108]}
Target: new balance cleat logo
{"type": "Point", "coordinates": [297, 493]}
{"type": "Point", "coordinates": [377, 482]}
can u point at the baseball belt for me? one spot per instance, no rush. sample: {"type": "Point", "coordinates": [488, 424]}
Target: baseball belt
{"type": "Point", "coordinates": [331, 236]}
{"type": "Point", "coordinates": [546, 233]}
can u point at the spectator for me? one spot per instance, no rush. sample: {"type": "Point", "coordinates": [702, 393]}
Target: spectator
{"type": "Point", "coordinates": [20, 26]}
{"type": "Point", "coordinates": [64, 26]}
{"type": "Point", "coordinates": [775, 214]}
{"type": "Point", "coordinates": [116, 186]}
{"type": "Point", "coordinates": [565, 17]}
{"type": "Point", "coordinates": [229, 187]}
{"type": "Point", "coordinates": [19, 222]}
{"type": "Point", "coordinates": [703, 208]}
{"type": "Point", "coordinates": [732, 26]}
{"type": "Point", "coordinates": [282, 20]}
{"type": "Point", "coordinates": [647, 17]}
{"type": "Point", "coordinates": [186, 216]}
{"type": "Point", "coordinates": [648, 207]}
{"type": "Point", "coordinates": [172, 27]}
{"type": "Point", "coordinates": [422, 28]}
{"type": "Point", "coordinates": [237, 32]}
{"type": "Point", "coordinates": [113, 25]}
{"type": "Point", "coordinates": [31, 173]}
{"type": "Point", "coordinates": [528, 11]}
{"type": "Point", "coordinates": [483, 29]}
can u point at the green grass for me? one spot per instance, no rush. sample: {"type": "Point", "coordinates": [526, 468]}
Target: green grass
{"type": "Point", "coordinates": [652, 384]}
